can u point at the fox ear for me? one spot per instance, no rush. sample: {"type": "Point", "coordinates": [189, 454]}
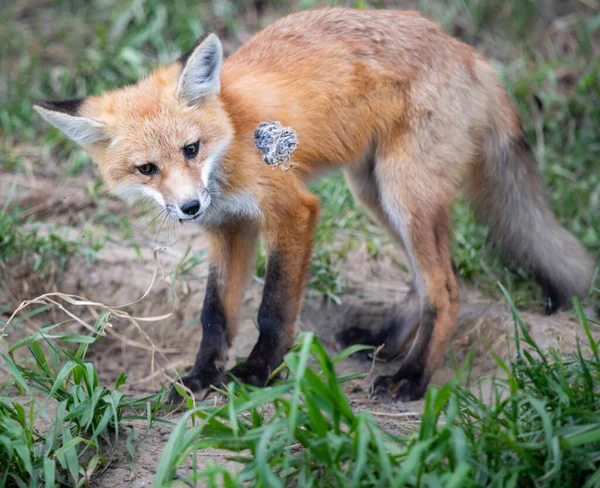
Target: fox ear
{"type": "Point", "coordinates": [201, 70]}
{"type": "Point", "coordinates": [65, 116]}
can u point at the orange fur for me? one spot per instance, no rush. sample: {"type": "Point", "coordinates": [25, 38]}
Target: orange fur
{"type": "Point", "coordinates": [408, 111]}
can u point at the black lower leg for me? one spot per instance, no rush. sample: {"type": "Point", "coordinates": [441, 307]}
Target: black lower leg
{"type": "Point", "coordinates": [411, 380]}
{"type": "Point", "coordinates": [212, 355]}
{"type": "Point", "coordinates": [275, 326]}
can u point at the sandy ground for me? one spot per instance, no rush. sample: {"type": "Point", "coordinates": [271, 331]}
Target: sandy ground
{"type": "Point", "coordinates": [121, 275]}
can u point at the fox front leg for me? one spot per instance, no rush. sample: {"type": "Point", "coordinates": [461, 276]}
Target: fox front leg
{"type": "Point", "coordinates": [231, 254]}
{"type": "Point", "coordinates": [289, 240]}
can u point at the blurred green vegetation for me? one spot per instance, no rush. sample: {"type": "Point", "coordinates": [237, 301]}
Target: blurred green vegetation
{"type": "Point", "coordinates": [541, 427]}
{"type": "Point", "coordinates": [547, 52]}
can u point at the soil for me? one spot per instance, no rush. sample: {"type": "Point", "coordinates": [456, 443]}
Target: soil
{"type": "Point", "coordinates": [122, 274]}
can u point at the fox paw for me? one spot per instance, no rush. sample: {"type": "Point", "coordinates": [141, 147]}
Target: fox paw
{"type": "Point", "coordinates": [248, 374]}
{"type": "Point", "coordinates": [404, 389]}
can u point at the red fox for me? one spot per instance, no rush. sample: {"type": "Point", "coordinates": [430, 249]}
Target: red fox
{"type": "Point", "coordinates": [408, 112]}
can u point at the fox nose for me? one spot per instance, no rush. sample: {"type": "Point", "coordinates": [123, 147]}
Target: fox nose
{"type": "Point", "coordinates": [191, 208]}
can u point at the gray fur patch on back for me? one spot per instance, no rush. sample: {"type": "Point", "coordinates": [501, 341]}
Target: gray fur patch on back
{"type": "Point", "coordinates": [277, 143]}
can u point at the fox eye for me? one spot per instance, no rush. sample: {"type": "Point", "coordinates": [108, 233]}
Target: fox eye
{"type": "Point", "coordinates": [148, 169]}
{"type": "Point", "coordinates": [191, 150]}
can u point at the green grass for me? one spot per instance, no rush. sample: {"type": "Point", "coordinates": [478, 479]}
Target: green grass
{"type": "Point", "coordinates": [85, 419]}
{"type": "Point", "coordinates": [47, 252]}
{"type": "Point", "coordinates": [540, 428]}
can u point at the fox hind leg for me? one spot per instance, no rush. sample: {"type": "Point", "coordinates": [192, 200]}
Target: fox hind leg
{"type": "Point", "coordinates": [402, 322]}
{"type": "Point", "coordinates": [416, 199]}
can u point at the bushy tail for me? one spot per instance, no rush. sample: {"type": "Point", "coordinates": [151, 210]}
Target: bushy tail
{"type": "Point", "coordinates": [510, 197]}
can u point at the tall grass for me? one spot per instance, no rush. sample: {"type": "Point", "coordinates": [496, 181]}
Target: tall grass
{"type": "Point", "coordinates": [541, 427]}
{"type": "Point", "coordinates": [56, 435]}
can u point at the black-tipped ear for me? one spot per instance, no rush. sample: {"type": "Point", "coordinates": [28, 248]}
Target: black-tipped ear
{"type": "Point", "coordinates": [201, 70]}
{"type": "Point", "coordinates": [65, 116]}
{"type": "Point", "coordinates": [69, 107]}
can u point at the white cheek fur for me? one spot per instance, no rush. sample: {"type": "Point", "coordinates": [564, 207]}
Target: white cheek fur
{"type": "Point", "coordinates": [132, 192]}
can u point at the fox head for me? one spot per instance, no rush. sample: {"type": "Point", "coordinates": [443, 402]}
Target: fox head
{"type": "Point", "coordinates": [162, 138]}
